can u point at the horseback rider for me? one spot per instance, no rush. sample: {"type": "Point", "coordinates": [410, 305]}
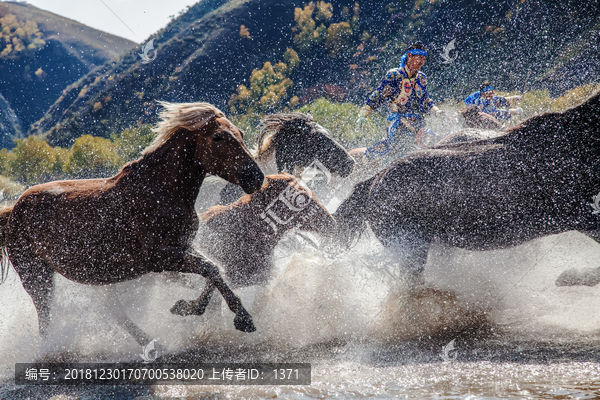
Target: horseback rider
{"type": "Point", "coordinates": [487, 102]}
{"type": "Point", "coordinates": [405, 90]}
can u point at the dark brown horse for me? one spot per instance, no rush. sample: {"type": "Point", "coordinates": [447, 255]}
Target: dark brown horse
{"type": "Point", "coordinates": [241, 237]}
{"type": "Point", "coordinates": [103, 231]}
{"type": "Point", "coordinates": [536, 179]}
{"type": "Point", "coordinates": [290, 142]}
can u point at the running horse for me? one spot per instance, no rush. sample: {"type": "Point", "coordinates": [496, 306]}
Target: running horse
{"type": "Point", "coordinates": [290, 142]}
{"type": "Point", "coordinates": [242, 236]}
{"type": "Point", "coordinates": [104, 231]}
{"type": "Point", "coordinates": [536, 179]}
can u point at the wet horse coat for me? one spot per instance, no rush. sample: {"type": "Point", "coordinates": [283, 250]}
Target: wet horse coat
{"type": "Point", "coordinates": [291, 142]}
{"type": "Point", "coordinates": [536, 179]}
{"type": "Point", "coordinates": [241, 237]}
{"type": "Point", "coordinates": [102, 231]}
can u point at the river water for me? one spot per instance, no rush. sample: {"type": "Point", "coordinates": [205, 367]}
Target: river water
{"type": "Point", "coordinates": [514, 333]}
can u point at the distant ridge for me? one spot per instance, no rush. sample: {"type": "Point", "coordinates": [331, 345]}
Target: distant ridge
{"type": "Point", "coordinates": [32, 80]}
{"type": "Point", "coordinates": [92, 46]}
{"type": "Point", "coordinates": [210, 50]}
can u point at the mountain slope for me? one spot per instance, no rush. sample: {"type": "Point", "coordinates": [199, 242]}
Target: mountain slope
{"type": "Point", "coordinates": [31, 80]}
{"type": "Point", "coordinates": [10, 127]}
{"type": "Point", "coordinates": [90, 46]}
{"type": "Point", "coordinates": [343, 48]}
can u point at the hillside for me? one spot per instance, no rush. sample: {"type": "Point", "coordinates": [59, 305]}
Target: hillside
{"type": "Point", "coordinates": [91, 46]}
{"type": "Point", "coordinates": [58, 51]}
{"type": "Point", "coordinates": [10, 127]}
{"type": "Point", "coordinates": [338, 49]}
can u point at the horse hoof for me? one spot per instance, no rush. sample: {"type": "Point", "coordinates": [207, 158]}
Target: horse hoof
{"type": "Point", "coordinates": [584, 277]}
{"type": "Point", "coordinates": [243, 322]}
{"type": "Point", "coordinates": [185, 308]}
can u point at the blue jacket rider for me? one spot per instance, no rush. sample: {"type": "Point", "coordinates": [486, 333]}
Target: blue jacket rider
{"type": "Point", "coordinates": [405, 89]}
{"type": "Point", "coordinates": [496, 106]}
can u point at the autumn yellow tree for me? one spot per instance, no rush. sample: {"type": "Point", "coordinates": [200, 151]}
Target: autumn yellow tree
{"type": "Point", "coordinates": [17, 37]}
{"type": "Point", "coordinates": [92, 156]}
{"type": "Point", "coordinates": [307, 33]}
{"type": "Point", "coordinates": [270, 87]}
{"type": "Point", "coordinates": [338, 38]}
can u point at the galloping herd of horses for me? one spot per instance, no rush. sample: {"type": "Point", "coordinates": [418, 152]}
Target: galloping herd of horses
{"type": "Point", "coordinates": [469, 191]}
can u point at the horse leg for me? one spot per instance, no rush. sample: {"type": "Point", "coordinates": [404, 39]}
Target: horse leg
{"type": "Point", "coordinates": [411, 250]}
{"type": "Point", "coordinates": [199, 265]}
{"type": "Point", "coordinates": [108, 296]}
{"type": "Point", "coordinates": [195, 307]}
{"type": "Point", "coordinates": [582, 277]}
{"type": "Point", "coordinates": [36, 277]}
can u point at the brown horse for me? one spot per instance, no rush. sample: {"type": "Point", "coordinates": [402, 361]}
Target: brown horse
{"type": "Point", "coordinates": [103, 231]}
{"type": "Point", "coordinates": [241, 237]}
{"type": "Point", "coordinates": [533, 180]}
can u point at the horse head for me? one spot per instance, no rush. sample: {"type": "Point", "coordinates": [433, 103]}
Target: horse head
{"type": "Point", "coordinates": [299, 142]}
{"type": "Point", "coordinates": [222, 152]}
{"type": "Point", "coordinates": [219, 147]}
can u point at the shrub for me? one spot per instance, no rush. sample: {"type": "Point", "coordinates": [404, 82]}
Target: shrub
{"type": "Point", "coordinates": [133, 141]}
{"type": "Point", "coordinates": [574, 97]}
{"type": "Point", "coordinates": [9, 189]}
{"type": "Point", "coordinates": [248, 123]}
{"type": "Point", "coordinates": [535, 102]}
{"type": "Point", "coordinates": [340, 120]}
{"type": "Point", "coordinates": [92, 156]}
{"type": "Point", "coordinates": [33, 160]}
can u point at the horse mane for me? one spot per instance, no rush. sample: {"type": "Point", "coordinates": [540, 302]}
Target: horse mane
{"type": "Point", "coordinates": [176, 116]}
{"type": "Point", "coordinates": [271, 125]}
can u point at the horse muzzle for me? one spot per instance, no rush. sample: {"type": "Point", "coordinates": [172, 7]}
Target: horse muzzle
{"type": "Point", "coordinates": [347, 167]}
{"type": "Point", "coordinates": [250, 178]}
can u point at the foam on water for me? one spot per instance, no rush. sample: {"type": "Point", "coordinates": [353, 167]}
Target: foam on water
{"type": "Point", "coordinates": [313, 298]}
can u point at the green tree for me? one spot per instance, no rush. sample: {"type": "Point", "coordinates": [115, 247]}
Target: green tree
{"type": "Point", "coordinates": [133, 141]}
{"type": "Point", "coordinates": [32, 161]}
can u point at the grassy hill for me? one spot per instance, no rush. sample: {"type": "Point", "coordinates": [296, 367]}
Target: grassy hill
{"type": "Point", "coordinates": [339, 49]}
{"type": "Point", "coordinates": [56, 51]}
{"type": "Point", "coordinates": [91, 46]}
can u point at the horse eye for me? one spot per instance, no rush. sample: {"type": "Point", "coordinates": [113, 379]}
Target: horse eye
{"type": "Point", "coordinates": [218, 138]}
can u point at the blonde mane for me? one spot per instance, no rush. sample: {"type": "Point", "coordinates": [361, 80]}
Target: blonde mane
{"type": "Point", "coordinates": [270, 126]}
{"type": "Point", "coordinates": [174, 116]}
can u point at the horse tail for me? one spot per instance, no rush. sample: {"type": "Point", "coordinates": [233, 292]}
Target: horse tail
{"type": "Point", "coordinates": [351, 214]}
{"type": "Point", "coordinates": [4, 262]}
